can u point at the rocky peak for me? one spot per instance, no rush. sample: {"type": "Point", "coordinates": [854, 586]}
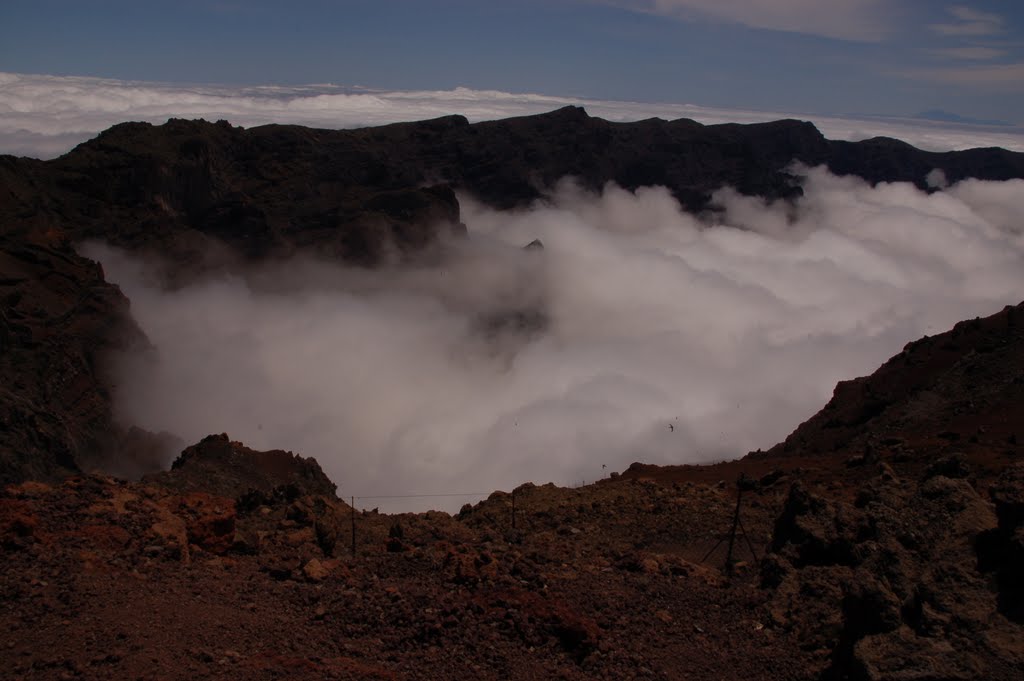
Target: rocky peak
{"type": "Point", "coordinates": [217, 465]}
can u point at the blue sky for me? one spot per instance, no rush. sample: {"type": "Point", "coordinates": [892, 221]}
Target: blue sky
{"type": "Point", "coordinates": [894, 57]}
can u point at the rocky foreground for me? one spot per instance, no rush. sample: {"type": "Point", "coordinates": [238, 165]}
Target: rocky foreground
{"type": "Point", "coordinates": [880, 541]}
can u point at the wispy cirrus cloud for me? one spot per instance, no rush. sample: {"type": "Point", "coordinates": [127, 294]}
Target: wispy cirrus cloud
{"type": "Point", "coordinates": [969, 22]}
{"type": "Point", "coordinates": [975, 53]}
{"type": "Point", "coordinates": [855, 20]}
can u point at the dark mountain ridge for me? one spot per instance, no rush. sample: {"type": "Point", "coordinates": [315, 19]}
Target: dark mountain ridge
{"type": "Point", "coordinates": [370, 194]}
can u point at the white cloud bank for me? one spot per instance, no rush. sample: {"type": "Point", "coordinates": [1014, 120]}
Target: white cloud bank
{"type": "Point", "coordinates": [45, 116]}
{"type": "Point", "coordinates": [732, 334]}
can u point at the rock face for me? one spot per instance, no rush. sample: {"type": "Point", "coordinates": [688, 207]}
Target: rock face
{"type": "Point", "coordinates": [1001, 550]}
{"type": "Point", "coordinates": [204, 191]}
{"type": "Point", "coordinates": [207, 194]}
{"type": "Point", "coordinates": [889, 586]}
{"type": "Point", "coordinates": [897, 513]}
{"type": "Point", "coordinates": [962, 390]}
{"type": "Point", "coordinates": [58, 320]}
{"type": "Point", "coordinates": [217, 465]}
{"type": "Point", "coordinates": [906, 574]}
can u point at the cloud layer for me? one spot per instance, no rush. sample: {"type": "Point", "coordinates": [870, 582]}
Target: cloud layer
{"type": "Point", "coordinates": [45, 116]}
{"type": "Point", "coordinates": [665, 340]}
{"type": "Point", "coordinates": [969, 22]}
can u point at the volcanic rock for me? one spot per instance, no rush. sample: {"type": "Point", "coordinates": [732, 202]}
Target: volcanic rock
{"type": "Point", "coordinates": [967, 380]}
{"type": "Point", "coordinates": [206, 192]}
{"type": "Point", "coordinates": [218, 466]}
{"type": "Point", "coordinates": [59, 321]}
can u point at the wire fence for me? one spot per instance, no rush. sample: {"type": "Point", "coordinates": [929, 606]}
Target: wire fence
{"type": "Point", "coordinates": [424, 496]}
{"type": "Point", "coordinates": [450, 495]}
{"type": "Point", "coordinates": [735, 532]}
{"type": "Point", "coordinates": [575, 483]}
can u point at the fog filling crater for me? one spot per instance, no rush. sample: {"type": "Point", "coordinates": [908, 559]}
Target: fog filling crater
{"type": "Point", "coordinates": [639, 332]}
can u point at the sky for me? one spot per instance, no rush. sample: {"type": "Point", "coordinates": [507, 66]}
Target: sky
{"type": "Point", "coordinates": [851, 57]}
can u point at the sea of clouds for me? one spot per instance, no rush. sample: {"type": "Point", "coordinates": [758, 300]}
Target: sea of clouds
{"type": "Point", "coordinates": [45, 116]}
{"type": "Point", "coordinates": [666, 339]}
{"type": "Point", "coordinates": [639, 333]}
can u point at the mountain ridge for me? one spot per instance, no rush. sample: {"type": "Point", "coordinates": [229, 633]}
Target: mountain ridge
{"type": "Point", "coordinates": [192, 185]}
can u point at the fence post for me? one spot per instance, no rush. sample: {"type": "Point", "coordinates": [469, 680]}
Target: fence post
{"type": "Point", "coordinates": [353, 500]}
{"type": "Point", "coordinates": [735, 524]}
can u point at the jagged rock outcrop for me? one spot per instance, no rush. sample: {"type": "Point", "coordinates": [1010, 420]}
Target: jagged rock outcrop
{"type": "Point", "coordinates": [217, 465]}
{"type": "Point", "coordinates": [59, 319]}
{"type": "Point", "coordinates": [895, 552]}
{"type": "Point", "coordinates": [209, 191]}
{"type": "Point", "coordinates": [207, 194]}
{"type": "Point", "coordinates": [889, 586]}
{"type": "Point", "coordinates": [956, 391]}
{"type": "Point", "coordinates": [1001, 550]}
{"type": "Point", "coordinates": [899, 565]}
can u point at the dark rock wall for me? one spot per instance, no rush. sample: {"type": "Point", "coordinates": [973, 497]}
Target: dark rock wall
{"type": "Point", "coordinates": [58, 320]}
